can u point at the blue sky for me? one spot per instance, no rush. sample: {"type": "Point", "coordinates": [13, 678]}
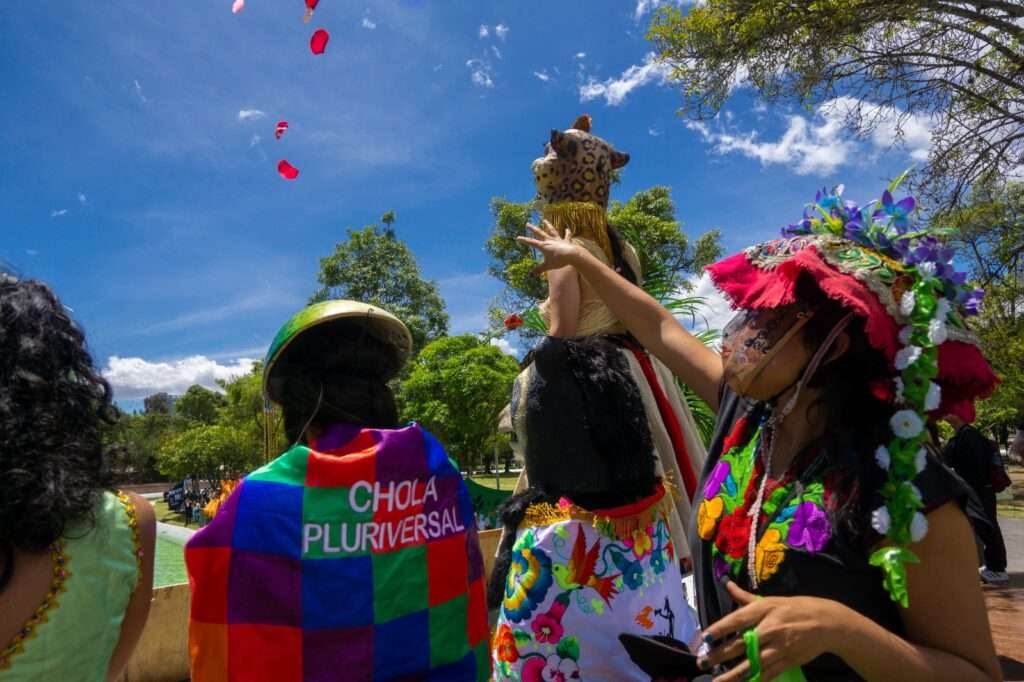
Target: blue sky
{"type": "Point", "coordinates": [139, 172]}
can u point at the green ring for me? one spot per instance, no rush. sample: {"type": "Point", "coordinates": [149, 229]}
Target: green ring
{"type": "Point", "coordinates": [753, 654]}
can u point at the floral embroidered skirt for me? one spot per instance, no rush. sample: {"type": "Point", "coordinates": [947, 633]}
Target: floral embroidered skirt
{"type": "Point", "coordinates": [576, 581]}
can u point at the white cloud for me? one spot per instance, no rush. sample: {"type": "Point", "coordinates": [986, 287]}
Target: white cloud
{"type": "Point", "coordinates": [653, 132]}
{"type": "Point", "coordinates": [438, 67]}
{"type": "Point", "coordinates": [31, 252]}
{"type": "Point", "coordinates": [501, 30]}
{"type": "Point", "coordinates": [820, 145]}
{"type": "Point", "coordinates": [542, 75]}
{"type": "Point", "coordinates": [484, 31]}
{"type": "Point", "coordinates": [134, 378]}
{"type": "Point", "coordinates": [716, 311]}
{"type": "Point", "coordinates": [255, 140]}
{"type": "Point", "coordinates": [260, 301]}
{"type": "Point", "coordinates": [81, 197]}
{"type": "Point", "coordinates": [138, 92]}
{"type": "Point", "coordinates": [58, 213]}
{"type": "Point", "coordinates": [580, 55]}
{"type": "Point", "coordinates": [250, 115]}
{"type": "Point", "coordinates": [614, 90]}
{"type": "Point", "coordinates": [480, 73]}
{"type": "Point", "coordinates": [505, 347]}
{"type": "Point", "coordinates": [369, 23]}
{"type": "Point", "coordinates": [645, 6]}
{"type": "Point", "coordinates": [496, 51]}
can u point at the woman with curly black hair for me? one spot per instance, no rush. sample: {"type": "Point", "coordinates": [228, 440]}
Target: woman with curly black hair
{"type": "Point", "coordinates": [76, 558]}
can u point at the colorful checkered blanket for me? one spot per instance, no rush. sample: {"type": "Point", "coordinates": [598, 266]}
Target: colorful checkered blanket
{"type": "Point", "coordinates": [356, 558]}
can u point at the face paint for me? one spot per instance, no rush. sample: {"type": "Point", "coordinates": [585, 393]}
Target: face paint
{"type": "Point", "coordinates": [753, 337]}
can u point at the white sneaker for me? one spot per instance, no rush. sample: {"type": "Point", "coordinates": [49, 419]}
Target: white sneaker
{"type": "Point", "coordinates": [993, 577]}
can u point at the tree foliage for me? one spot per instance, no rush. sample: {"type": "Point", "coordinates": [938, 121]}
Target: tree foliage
{"type": "Point", "coordinates": [374, 266]}
{"type": "Point", "coordinates": [990, 239]}
{"type": "Point", "coordinates": [213, 452]}
{"type": "Point", "coordinates": [456, 388]}
{"type": "Point", "coordinates": [957, 65]}
{"type": "Point", "coordinates": [158, 403]}
{"type": "Point", "coordinates": [199, 404]}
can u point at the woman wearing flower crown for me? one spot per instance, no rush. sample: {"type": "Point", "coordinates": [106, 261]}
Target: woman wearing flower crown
{"type": "Point", "coordinates": [828, 541]}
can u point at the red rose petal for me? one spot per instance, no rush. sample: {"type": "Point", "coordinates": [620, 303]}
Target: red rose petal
{"type": "Point", "coordinates": [281, 127]}
{"type": "Point", "coordinates": [319, 41]}
{"type": "Point", "coordinates": [287, 171]}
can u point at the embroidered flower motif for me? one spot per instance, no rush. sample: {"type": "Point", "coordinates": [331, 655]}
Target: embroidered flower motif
{"type": "Point", "coordinates": [505, 645]}
{"type": "Point", "coordinates": [733, 534]}
{"type": "Point", "coordinates": [733, 440]}
{"type": "Point", "coordinates": [716, 479]}
{"type": "Point", "coordinates": [880, 520]}
{"type": "Point", "coordinates": [529, 578]}
{"type": "Point", "coordinates": [707, 516]}
{"type": "Point", "coordinates": [906, 424]}
{"type": "Point", "coordinates": [907, 356]}
{"type": "Point", "coordinates": [933, 398]}
{"type": "Point", "coordinates": [721, 567]}
{"type": "Point", "coordinates": [640, 541]}
{"type": "Point", "coordinates": [882, 457]}
{"type": "Point", "coordinates": [769, 554]}
{"type": "Point", "coordinates": [810, 528]}
{"type": "Point", "coordinates": [553, 669]}
{"type": "Point", "coordinates": [918, 527]}
{"type": "Point", "coordinates": [547, 629]}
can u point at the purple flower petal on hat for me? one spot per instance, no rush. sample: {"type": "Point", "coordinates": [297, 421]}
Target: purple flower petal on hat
{"type": "Point", "coordinates": [886, 199]}
{"type": "Point", "coordinates": [905, 205]}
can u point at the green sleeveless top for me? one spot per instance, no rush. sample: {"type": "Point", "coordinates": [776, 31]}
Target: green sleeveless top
{"type": "Point", "coordinates": [73, 633]}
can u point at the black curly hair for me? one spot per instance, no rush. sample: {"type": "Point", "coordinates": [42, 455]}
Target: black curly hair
{"type": "Point", "coordinates": [53, 403]}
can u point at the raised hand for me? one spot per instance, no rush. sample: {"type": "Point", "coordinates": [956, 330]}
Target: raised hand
{"type": "Point", "coordinates": [558, 251]}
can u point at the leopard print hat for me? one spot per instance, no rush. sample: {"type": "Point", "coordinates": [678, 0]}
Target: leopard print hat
{"type": "Point", "coordinates": [577, 166]}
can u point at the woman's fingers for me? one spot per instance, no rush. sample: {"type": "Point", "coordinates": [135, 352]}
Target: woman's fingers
{"type": "Point", "coordinates": [739, 595]}
{"type": "Point", "coordinates": [771, 667]}
{"type": "Point", "coordinates": [739, 620]}
{"type": "Point", "coordinates": [535, 243]}
{"type": "Point", "coordinates": [726, 651]}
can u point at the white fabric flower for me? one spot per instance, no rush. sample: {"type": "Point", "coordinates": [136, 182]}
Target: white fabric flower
{"type": "Point", "coordinates": [915, 491]}
{"type": "Point", "coordinates": [918, 527]}
{"type": "Point", "coordinates": [906, 424]}
{"type": "Point", "coordinates": [937, 332]}
{"type": "Point", "coordinates": [920, 460]}
{"type": "Point", "coordinates": [942, 309]}
{"type": "Point", "coordinates": [899, 389]}
{"type": "Point", "coordinates": [882, 457]}
{"type": "Point", "coordinates": [933, 398]}
{"type": "Point", "coordinates": [905, 333]}
{"type": "Point", "coordinates": [880, 520]}
{"type": "Point", "coordinates": [926, 269]}
{"type": "Point", "coordinates": [907, 356]}
{"type": "Point", "coordinates": [907, 303]}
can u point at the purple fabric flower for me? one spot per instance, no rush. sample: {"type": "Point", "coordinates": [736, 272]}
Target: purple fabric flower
{"type": "Point", "coordinates": [721, 567]}
{"type": "Point", "coordinates": [972, 301]}
{"type": "Point", "coordinates": [716, 479]}
{"type": "Point", "coordinates": [810, 528]}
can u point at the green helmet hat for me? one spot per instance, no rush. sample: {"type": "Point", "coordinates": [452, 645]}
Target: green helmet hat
{"type": "Point", "coordinates": [379, 322]}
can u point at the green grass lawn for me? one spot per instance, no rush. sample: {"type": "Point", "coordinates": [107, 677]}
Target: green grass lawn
{"type": "Point", "coordinates": [1011, 500]}
{"type": "Point", "coordinates": [164, 514]}
{"type": "Point", "coordinates": [503, 482]}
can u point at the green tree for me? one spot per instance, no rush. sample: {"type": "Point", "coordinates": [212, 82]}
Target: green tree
{"type": "Point", "coordinates": [456, 388]}
{"type": "Point", "coordinates": [215, 452]}
{"type": "Point", "coordinates": [374, 266]}
{"type": "Point", "coordinates": [958, 65]}
{"type": "Point", "coordinates": [158, 403]}
{"type": "Point", "coordinates": [134, 441]}
{"type": "Point", "coordinates": [199, 404]}
{"type": "Point", "coordinates": [990, 240]}
{"type": "Point", "coordinates": [245, 410]}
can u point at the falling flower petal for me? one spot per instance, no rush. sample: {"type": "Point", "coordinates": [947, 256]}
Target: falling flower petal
{"type": "Point", "coordinates": [318, 43]}
{"type": "Point", "coordinates": [281, 127]}
{"type": "Point", "coordinates": [287, 171]}
{"type": "Point", "coordinates": [238, 6]}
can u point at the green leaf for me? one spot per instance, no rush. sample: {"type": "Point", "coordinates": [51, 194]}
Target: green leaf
{"type": "Point", "coordinates": [522, 637]}
{"type": "Point", "coordinates": [898, 180]}
{"type": "Point", "coordinates": [569, 647]}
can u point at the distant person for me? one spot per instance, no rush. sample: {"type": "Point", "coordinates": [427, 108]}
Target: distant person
{"type": "Point", "coordinates": [76, 557]}
{"type": "Point", "coordinates": [354, 554]}
{"type": "Point", "coordinates": [969, 454]}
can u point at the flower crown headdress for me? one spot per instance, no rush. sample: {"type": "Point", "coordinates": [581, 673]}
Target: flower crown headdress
{"type": "Point", "coordinates": [935, 296]}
